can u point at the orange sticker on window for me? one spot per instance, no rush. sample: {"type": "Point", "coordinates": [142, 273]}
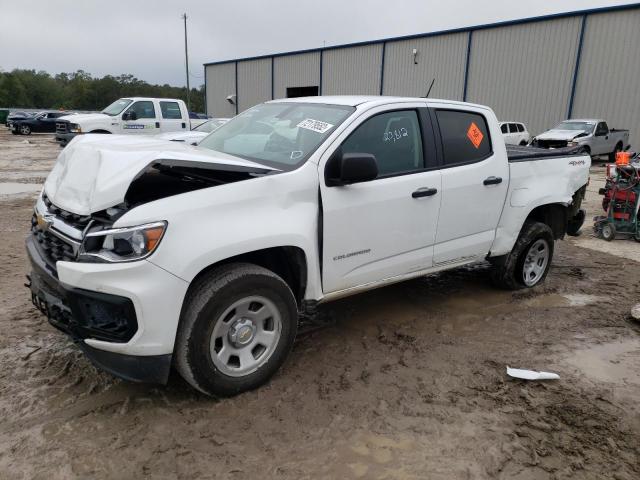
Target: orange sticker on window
{"type": "Point", "coordinates": [475, 135]}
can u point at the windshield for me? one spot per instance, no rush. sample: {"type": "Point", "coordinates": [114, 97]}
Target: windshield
{"type": "Point", "coordinates": [577, 126]}
{"type": "Point", "coordinates": [210, 126]}
{"type": "Point", "coordinates": [280, 135]}
{"type": "Point", "coordinates": [116, 107]}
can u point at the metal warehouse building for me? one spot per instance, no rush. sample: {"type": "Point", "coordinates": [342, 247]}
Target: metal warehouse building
{"type": "Point", "coordinates": [539, 70]}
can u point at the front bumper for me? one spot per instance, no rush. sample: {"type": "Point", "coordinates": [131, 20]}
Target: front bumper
{"type": "Point", "coordinates": [64, 138]}
{"type": "Point", "coordinates": [124, 317]}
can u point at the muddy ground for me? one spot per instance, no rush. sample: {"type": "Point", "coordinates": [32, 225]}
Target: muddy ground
{"type": "Point", "coordinates": [408, 383]}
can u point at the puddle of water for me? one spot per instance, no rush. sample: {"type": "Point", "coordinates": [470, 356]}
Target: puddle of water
{"type": "Point", "coordinates": [562, 300]}
{"type": "Point", "coordinates": [13, 188]}
{"type": "Point", "coordinates": [610, 362]}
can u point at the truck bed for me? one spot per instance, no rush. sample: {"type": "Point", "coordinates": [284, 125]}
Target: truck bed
{"type": "Point", "coordinates": [516, 153]}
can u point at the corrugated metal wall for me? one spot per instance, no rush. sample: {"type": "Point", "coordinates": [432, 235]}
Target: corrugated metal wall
{"type": "Point", "coordinates": [221, 82]}
{"type": "Point", "coordinates": [525, 72]}
{"type": "Point", "coordinates": [442, 57]}
{"type": "Point", "coordinates": [302, 70]}
{"type": "Point", "coordinates": [609, 76]}
{"type": "Point", "coordinates": [352, 71]}
{"type": "Point", "coordinates": [254, 83]}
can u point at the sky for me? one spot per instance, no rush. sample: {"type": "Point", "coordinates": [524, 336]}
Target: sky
{"type": "Point", "coordinates": [146, 37]}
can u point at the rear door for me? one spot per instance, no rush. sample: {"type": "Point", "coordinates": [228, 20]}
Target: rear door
{"type": "Point", "coordinates": [475, 178]}
{"type": "Point", "coordinates": [383, 228]}
{"type": "Point", "coordinates": [145, 122]}
{"type": "Point", "coordinates": [173, 118]}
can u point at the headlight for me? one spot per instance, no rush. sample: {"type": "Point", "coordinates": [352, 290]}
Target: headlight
{"type": "Point", "coordinates": [572, 144]}
{"type": "Point", "coordinates": [75, 128]}
{"type": "Point", "coordinates": [122, 244]}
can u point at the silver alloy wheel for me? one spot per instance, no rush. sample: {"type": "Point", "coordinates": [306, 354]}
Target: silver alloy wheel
{"type": "Point", "coordinates": [245, 336]}
{"type": "Point", "coordinates": [535, 262]}
{"type": "Point", "coordinates": [25, 129]}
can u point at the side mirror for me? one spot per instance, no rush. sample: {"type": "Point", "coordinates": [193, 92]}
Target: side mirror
{"type": "Point", "coordinates": [347, 168]}
{"type": "Point", "coordinates": [130, 115]}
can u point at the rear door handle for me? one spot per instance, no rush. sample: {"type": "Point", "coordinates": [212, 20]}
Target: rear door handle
{"type": "Point", "coordinates": [424, 192]}
{"type": "Point", "coordinates": [492, 180]}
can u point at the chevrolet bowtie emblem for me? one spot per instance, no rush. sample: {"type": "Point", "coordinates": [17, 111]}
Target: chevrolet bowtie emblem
{"type": "Point", "coordinates": [44, 222]}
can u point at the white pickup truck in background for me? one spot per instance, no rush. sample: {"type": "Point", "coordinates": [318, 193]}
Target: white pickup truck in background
{"type": "Point", "coordinates": [137, 115]}
{"type": "Point", "coordinates": [152, 253]}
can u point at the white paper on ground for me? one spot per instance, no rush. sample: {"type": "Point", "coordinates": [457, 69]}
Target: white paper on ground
{"type": "Point", "coordinates": [531, 374]}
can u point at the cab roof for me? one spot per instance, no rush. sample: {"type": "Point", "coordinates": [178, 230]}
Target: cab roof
{"type": "Point", "coordinates": [369, 100]}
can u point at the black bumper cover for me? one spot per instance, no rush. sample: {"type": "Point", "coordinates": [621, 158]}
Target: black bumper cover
{"type": "Point", "coordinates": [74, 311]}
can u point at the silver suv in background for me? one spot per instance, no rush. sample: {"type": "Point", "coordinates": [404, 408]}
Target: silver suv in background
{"type": "Point", "coordinates": [592, 134]}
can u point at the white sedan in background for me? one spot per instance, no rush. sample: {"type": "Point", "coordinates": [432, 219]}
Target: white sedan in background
{"type": "Point", "coordinates": [515, 133]}
{"type": "Point", "coordinates": [195, 135]}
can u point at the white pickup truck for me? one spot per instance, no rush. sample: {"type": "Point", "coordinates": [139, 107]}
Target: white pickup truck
{"type": "Point", "coordinates": [137, 115]}
{"type": "Point", "coordinates": [152, 253]}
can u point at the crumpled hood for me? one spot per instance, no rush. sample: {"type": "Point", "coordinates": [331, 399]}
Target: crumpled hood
{"type": "Point", "coordinates": [94, 171]}
{"type": "Point", "coordinates": [86, 117]}
{"type": "Point", "coordinates": [559, 135]}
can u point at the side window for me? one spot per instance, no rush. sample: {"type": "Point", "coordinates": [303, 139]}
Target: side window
{"type": "Point", "coordinates": [505, 128]}
{"type": "Point", "coordinates": [520, 127]}
{"type": "Point", "coordinates": [143, 109]}
{"type": "Point", "coordinates": [513, 128]}
{"type": "Point", "coordinates": [602, 129]}
{"type": "Point", "coordinates": [465, 136]}
{"type": "Point", "coordinates": [394, 138]}
{"type": "Point", "coordinates": [170, 110]}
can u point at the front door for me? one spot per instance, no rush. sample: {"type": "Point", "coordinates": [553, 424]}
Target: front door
{"type": "Point", "coordinates": [145, 121]}
{"type": "Point", "coordinates": [475, 180]}
{"type": "Point", "coordinates": [383, 228]}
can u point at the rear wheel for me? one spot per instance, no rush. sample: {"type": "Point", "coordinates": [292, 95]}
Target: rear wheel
{"type": "Point", "coordinates": [528, 262]}
{"type": "Point", "coordinates": [575, 224]}
{"type": "Point", "coordinates": [523, 143]}
{"type": "Point", "coordinates": [237, 327]}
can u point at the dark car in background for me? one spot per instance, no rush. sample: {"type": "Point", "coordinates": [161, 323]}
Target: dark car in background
{"type": "Point", "coordinates": [43, 122]}
{"type": "Point", "coordinates": [17, 115]}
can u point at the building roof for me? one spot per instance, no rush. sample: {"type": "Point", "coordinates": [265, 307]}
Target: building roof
{"type": "Point", "coordinates": [439, 32]}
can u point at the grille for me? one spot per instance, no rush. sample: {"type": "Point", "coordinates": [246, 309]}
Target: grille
{"type": "Point", "coordinates": [51, 246]}
{"type": "Point", "coordinates": [77, 221]}
{"type": "Point", "coordinates": [61, 127]}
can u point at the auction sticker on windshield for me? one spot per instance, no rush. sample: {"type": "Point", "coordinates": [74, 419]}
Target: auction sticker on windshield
{"type": "Point", "coordinates": [314, 125]}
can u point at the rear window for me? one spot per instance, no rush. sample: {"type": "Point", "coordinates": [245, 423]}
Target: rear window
{"type": "Point", "coordinates": [520, 127]}
{"type": "Point", "coordinates": [170, 110]}
{"type": "Point", "coordinates": [465, 136]}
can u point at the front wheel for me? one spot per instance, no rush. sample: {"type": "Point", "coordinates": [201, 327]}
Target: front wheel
{"type": "Point", "coordinates": [25, 130]}
{"type": "Point", "coordinates": [238, 325]}
{"type": "Point", "coordinates": [528, 262]}
{"type": "Point", "coordinates": [608, 231]}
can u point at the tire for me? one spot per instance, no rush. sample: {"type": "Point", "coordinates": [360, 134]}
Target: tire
{"type": "Point", "coordinates": [575, 224]}
{"type": "Point", "coordinates": [608, 231]}
{"type": "Point", "coordinates": [523, 143]}
{"type": "Point", "coordinates": [513, 271]}
{"type": "Point", "coordinates": [612, 155]}
{"type": "Point", "coordinates": [211, 322]}
{"type": "Point", "coordinates": [25, 130]}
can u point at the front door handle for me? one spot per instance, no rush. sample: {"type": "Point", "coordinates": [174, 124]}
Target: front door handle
{"type": "Point", "coordinates": [424, 192]}
{"type": "Point", "coordinates": [492, 180]}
